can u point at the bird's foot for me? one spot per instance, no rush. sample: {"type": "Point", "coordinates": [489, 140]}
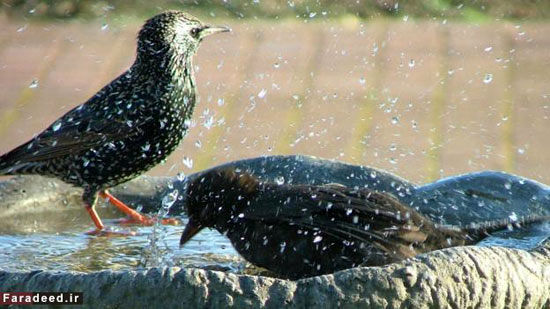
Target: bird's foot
{"type": "Point", "coordinates": [135, 217]}
{"type": "Point", "coordinates": [148, 221]}
{"type": "Point", "coordinates": [110, 232]}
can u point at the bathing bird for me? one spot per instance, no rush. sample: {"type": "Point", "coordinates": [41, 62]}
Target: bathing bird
{"type": "Point", "coordinates": [130, 125]}
{"type": "Point", "coordinates": [297, 231]}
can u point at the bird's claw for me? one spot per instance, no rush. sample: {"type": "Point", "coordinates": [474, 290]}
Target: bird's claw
{"type": "Point", "coordinates": [148, 221]}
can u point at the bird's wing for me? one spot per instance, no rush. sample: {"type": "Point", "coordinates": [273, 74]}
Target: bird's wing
{"type": "Point", "coordinates": [81, 129]}
{"type": "Point", "coordinates": [351, 214]}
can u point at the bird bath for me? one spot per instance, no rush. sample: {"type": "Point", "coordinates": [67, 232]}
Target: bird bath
{"type": "Point", "coordinates": [44, 221]}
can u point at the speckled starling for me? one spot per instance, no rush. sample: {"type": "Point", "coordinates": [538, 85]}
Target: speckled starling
{"type": "Point", "coordinates": [130, 125]}
{"type": "Point", "coordinates": [297, 231]}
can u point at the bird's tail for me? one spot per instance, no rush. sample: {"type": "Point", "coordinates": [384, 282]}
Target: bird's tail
{"type": "Point", "coordinates": [11, 164]}
{"type": "Point", "coordinates": [5, 164]}
{"type": "Point", "coordinates": [480, 231]}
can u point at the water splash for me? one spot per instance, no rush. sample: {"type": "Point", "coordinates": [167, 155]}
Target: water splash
{"type": "Point", "coordinates": [158, 253]}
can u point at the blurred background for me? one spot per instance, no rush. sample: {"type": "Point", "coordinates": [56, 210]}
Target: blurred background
{"type": "Point", "coordinates": [423, 89]}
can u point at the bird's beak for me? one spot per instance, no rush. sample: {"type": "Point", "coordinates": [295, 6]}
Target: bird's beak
{"type": "Point", "coordinates": [208, 30]}
{"type": "Point", "coordinates": [191, 229]}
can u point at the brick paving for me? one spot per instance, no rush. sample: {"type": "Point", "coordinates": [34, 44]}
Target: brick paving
{"type": "Point", "coordinates": [408, 97]}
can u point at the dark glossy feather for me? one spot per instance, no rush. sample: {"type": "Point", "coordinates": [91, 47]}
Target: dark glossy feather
{"type": "Point", "coordinates": [302, 230]}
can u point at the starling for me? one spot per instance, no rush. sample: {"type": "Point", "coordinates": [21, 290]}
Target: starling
{"type": "Point", "coordinates": [297, 231]}
{"type": "Point", "coordinates": [130, 125]}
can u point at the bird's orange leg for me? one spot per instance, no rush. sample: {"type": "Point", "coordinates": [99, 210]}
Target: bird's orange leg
{"type": "Point", "coordinates": [100, 228]}
{"type": "Point", "coordinates": [93, 214]}
{"type": "Point", "coordinates": [135, 217]}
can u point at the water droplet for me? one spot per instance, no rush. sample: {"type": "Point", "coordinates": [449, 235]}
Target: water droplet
{"type": "Point", "coordinates": [209, 122]}
{"type": "Point", "coordinates": [169, 199]}
{"type": "Point", "coordinates": [362, 81]}
{"type": "Point", "coordinates": [488, 78]}
{"type": "Point", "coordinates": [262, 93]}
{"type": "Point", "coordinates": [280, 180]}
{"type": "Point", "coordinates": [56, 126]}
{"type": "Point", "coordinates": [23, 28]}
{"type": "Point", "coordinates": [34, 83]}
{"type": "Point", "coordinates": [317, 239]}
{"type": "Point", "coordinates": [395, 120]}
{"type": "Point", "coordinates": [283, 246]}
{"type": "Point", "coordinates": [412, 63]}
{"type": "Point", "coordinates": [188, 162]}
{"type": "Point", "coordinates": [146, 147]}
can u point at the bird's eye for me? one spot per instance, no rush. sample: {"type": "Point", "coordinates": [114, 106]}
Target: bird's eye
{"type": "Point", "coordinates": [195, 32]}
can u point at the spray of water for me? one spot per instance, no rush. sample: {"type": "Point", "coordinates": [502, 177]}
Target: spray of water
{"type": "Point", "coordinates": [157, 253]}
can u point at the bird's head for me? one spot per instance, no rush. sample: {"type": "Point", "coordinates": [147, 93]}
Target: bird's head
{"type": "Point", "coordinates": [173, 33]}
{"type": "Point", "coordinates": [216, 199]}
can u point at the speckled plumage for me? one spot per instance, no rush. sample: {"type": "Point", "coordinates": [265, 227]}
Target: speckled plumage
{"type": "Point", "coordinates": [130, 125]}
{"type": "Point", "coordinates": [297, 231]}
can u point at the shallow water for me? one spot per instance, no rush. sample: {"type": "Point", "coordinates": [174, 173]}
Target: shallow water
{"type": "Point", "coordinates": [72, 250]}
{"type": "Point", "coordinates": [75, 251]}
